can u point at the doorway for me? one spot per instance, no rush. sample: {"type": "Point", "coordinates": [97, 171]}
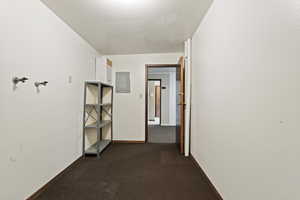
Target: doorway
{"type": "Point", "coordinates": [163, 90]}
{"type": "Point", "coordinates": [154, 102]}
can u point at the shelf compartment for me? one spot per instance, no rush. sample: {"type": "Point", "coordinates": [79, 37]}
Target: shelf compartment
{"type": "Point", "coordinates": [97, 117]}
{"type": "Point", "coordinates": [102, 124]}
{"type": "Point", "coordinates": [93, 125]}
{"type": "Point", "coordinates": [106, 104]}
{"type": "Point", "coordinates": [102, 145]}
{"type": "Point", "coordinates": [96, 83]}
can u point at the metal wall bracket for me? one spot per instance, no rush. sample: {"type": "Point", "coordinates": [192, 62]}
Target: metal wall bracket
{"type": "Point", "coordinates": [37, 84]}
{"type": "Point", "coordinates": [16, 80]}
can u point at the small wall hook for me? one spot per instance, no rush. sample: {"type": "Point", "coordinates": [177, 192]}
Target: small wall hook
{"type": "Point", "coordinates": [37, 84]}
{"type": "Point", "coordinates": [16, 80]}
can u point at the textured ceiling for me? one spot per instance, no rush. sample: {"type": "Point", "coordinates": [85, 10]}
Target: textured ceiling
{"type": "Point", "coordinates": [132, 26]}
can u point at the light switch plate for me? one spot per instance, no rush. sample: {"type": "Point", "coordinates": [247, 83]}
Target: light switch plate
{"type": "Point", "coordinates": [70, 79]}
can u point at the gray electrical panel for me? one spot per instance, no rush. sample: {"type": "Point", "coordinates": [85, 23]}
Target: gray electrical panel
{"type": "Point", "coordinates": [122, 82]}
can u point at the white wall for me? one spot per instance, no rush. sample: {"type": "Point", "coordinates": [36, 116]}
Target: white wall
{"type": "Point", "coordinates": [129, 109]}
{"type": "Point", "coordinates": [188, 81]}
{"type": "Point", "coordinates": [41, 133]}
{"type": "Point", "coordinates": [245, 98]}
{"type": "Point", "coordinates": [172, 98]}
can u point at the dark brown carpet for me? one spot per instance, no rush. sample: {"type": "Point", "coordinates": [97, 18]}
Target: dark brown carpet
{"type": "Point", "coordinates": [132, 172]}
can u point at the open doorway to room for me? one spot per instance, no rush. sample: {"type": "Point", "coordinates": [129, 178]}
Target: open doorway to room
{"type": "Point", "coordinates": [163, 104]}
{"type": "Point", "coordinates": [154, 102]}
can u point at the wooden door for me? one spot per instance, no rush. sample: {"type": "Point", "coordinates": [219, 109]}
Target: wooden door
{"type": "Point", "coordinates": [181, 103]}
{"type": "Point", "coordinates": [157, 101]}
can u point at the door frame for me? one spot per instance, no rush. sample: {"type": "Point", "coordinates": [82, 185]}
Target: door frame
{"type": "Point", "coordinates": [147, 66]}
{"type": "Point", "coordinates": [182, 105]}
{"type": "Point", "coordinates": [159, 99]}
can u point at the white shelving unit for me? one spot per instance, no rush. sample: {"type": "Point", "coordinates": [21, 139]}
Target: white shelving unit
{"type": "Point", "coordinates": [97, 117]}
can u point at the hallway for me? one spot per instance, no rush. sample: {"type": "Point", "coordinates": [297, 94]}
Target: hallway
{"type": "Point", "coordinates": [162, 134]}
{"type": "Point", "coordinates": [150, 92]}
{"type": "Point", "coordinates": [132, 172]}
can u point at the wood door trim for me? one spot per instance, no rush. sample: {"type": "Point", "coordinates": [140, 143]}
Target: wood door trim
{"type": "Point", "coordinates": [108, 62]}
{"type": "Point", "coordinates": [147, 66]}
{"type": "Point", "coordinates": [182, 103]}
{"type": "Point", "coordinates": [158, 98]}
{"type": "Point", "coordinates": [161, 65]}
{"type": "Point", "coordinates": [146, 104]}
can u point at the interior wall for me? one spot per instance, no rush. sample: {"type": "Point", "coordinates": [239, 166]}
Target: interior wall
{"type": "Point", "coordinates": [41, 132]}
{"type": "Point", "coordinates": [172, 98]}
{"type": "Point", "coordinates": [187, 54]}
{"type": "Point", "coordinates": [245, 98]}
{"type": "Point", "coordinates": [129, 109]}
